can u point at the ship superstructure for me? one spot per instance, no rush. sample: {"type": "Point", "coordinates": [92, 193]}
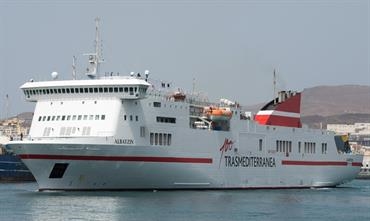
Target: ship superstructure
{"type": "Point", "coordinates": [117, 132]}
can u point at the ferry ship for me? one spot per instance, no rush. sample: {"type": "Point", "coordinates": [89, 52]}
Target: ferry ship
{"type": "Point", "coordinates": [132, 132]}
{"type": "Point", "coordinates": [11, 167]}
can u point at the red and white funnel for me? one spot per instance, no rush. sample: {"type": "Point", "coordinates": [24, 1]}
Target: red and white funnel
{"type": "Point", "coordinates": [285, 110]}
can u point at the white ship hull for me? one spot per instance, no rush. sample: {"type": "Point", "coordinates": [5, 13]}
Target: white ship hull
{"type": "Point", "coordinates": [198, 165]}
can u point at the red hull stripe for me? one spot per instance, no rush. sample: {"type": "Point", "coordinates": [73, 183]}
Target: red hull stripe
{"type": "Point", "coordinates": [356, 164]}
{"type": "Point", "coordinates": [118, 158]}
{"type": "Point", "coordinates": [314, 163]}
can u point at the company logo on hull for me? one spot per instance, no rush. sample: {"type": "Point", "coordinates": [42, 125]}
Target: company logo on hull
{"type": "Point", "coordinates": [243, 161]}
{"type": "Point", "coordinates": [226, 146]}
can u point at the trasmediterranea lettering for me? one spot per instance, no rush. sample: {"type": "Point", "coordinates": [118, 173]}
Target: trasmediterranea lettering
{"type": "Point", "coordinates": [244, 161]}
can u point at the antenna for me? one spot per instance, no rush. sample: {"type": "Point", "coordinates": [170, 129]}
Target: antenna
{"type": "Point", "coordinates": [7, 106]}
{"type": "Point", "coordinates": [74, 68]}
{"type": "Point", "coordinates": [274, 85]}
{"type": "Point", "coordinates": [193, 92]}
{"type": "Point", "coordinates": [146, 75]}
{"type": "Point", "coordinates": [95, 58]}
{"type": "Point", "coordinates": [98, 43]}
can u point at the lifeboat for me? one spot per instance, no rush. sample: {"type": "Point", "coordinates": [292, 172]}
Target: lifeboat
{"type": "Point", "coordinates": [178, 96]}
{"type": "Point", "coordinates": [218, 114]}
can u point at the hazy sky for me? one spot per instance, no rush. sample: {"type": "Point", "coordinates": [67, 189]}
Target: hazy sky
{"type": "Point", "coordinates": [229, 46]}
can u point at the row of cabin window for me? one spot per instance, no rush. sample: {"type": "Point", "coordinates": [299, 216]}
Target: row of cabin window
{"type": "Point", "coordinates": [159, 104]}
{"type": "Point", "coordinates": [67, 131]}
{"type": "Point", "coordinates": [171, 120]}
{"type": "Point", "coordinates": [130, 90]}
{"type": "Point", "coordinates": [286, 146]}
{"type": "Point", "coordinates": [131, 117]}
{"type": "Point", "coordinates": [72, 117]}
{"type": "Point", "coordinates": [309, 147]}
{"type": "Point", "coordinates": [161, 139]}
{"type": "Point", "coordinates": [283, 146]}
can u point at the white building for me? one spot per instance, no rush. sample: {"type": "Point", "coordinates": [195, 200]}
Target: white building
{"type": "Point", "coordinates": [359, 137]}
{"type": "Point", "coordinates": [353, 129]}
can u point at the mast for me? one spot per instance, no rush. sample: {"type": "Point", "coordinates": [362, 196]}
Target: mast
{"type": "Point", "coordinates": [95, 58]}
{"type": "Point", "coordinates": [193, 90]}
{"type": "Point", "coordinates": [7, 107]}
{"type": "Point", "coordinates": [74, 67]}
{"type": "Point", "coordinates": [274, 85]}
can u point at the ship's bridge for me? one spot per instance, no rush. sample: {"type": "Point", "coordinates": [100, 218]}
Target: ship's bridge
{"type": "Point", "coordinates": [117, 86]}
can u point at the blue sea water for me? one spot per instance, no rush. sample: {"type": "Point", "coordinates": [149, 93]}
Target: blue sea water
{"type": "Point", "coordinates": [22, 201]}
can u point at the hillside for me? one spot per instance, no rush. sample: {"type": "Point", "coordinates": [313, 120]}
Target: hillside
{"type": "Point", "coordinates": [347, 104]}
{"type": "Point", "coordinates": [336, 100]}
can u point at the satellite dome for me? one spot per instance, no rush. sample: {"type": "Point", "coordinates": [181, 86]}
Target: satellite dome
{"type": "Point", "coordinates": [54, 75]}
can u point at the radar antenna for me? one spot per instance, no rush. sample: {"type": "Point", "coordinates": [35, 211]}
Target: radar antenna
{"type": "Point", "coordinates": [95, 58]}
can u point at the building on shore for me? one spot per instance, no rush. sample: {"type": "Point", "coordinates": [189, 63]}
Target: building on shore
{"type": "Point", "coordinates": [359, 138]}
{"type": "Point", "coordinates": [15, 127]}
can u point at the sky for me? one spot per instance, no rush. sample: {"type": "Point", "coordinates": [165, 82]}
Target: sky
{"type": "Point", "coordinates": [227, 48]}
